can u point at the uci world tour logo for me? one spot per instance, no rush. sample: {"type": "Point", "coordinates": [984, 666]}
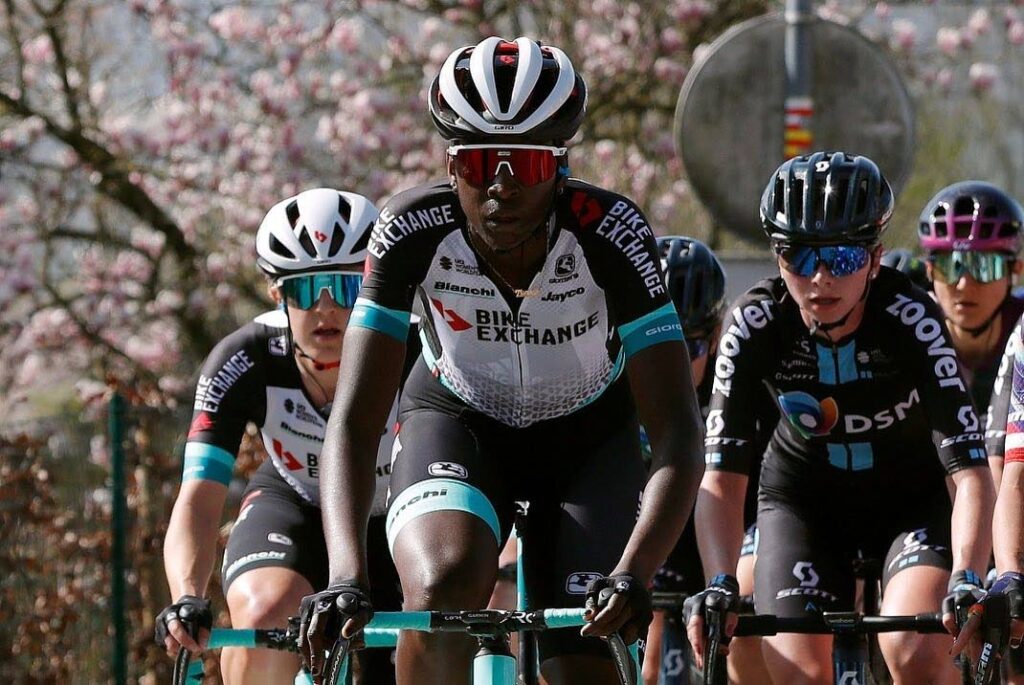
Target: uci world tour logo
{"type": "Point", "coordinates": [810, 417]}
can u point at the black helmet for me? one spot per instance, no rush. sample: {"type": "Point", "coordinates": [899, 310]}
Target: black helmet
{"type": "Point", "coordinates": [696, 283]}
{"type": "Point", "coordinates": [904, 261]}
{"type": "Point", "coordinates": [827, 198]}
{"type": "Point", "coordinates": [516, 92]}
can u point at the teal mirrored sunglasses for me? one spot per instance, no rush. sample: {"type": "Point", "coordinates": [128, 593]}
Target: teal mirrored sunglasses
{"type": "Point", "coordinates": [304, 291]}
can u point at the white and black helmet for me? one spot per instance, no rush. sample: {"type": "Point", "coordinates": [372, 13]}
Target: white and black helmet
{"type": "Point", "coordinates": [317, 230]}
{"type": "Point", "coordinates": [516, 91]}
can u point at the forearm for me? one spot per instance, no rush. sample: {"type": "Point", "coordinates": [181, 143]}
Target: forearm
{"type": "Point", "coordinates": [347, 482]}
{"type": "Point", "coordinates": [719, 519]}
{"type": "Point", "coordinates": [190, 549]}
{"type": "Point", "coordinates": [1008, 540]}
{"type": "Point", "coordinates": [666, 506]}
{"type": "Point", "coordinates": [971, 522]}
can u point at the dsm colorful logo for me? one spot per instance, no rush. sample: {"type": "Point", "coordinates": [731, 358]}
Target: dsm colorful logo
{"type": "Point", "coordinates": [810, 417]}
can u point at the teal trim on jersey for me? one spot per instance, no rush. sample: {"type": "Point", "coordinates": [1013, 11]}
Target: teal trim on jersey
{"type": "Point", "coordinates": [842, 368]}
{"type": "Point", "coordinates": [439, 494]}
{"type": "Point", "coordinates": [207, 462]}
{"type": "Point", "coordinates": [496, 669]}
{"type": "Point", "coordinates": [431, 361]}
{"type": "Point", "coordinates": [851, 456]}
{"type": "Point", "coordinates": [367, 314]}
{"type": "Point", "coordinates": [652, 328]}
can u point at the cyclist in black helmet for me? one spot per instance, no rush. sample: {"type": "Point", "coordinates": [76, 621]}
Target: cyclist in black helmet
{"type": "Point", "coordinates": [875, 413]}
{"type": "Point", "coordinates": [904, 261]}
{"type": "Point", "coordinates": [696, 284]}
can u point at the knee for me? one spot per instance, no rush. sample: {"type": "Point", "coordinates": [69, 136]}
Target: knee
{"type": "Point", "coordinates": [451, 579]}
{"type": "Point", "coordinates": [257, 607]}
{"type": "Point", "coordinates": [916, 658]}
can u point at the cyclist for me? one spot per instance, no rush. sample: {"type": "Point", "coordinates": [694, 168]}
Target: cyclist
{"type": "Point", "coordinates": [971, 234]}
{"type": "Point", "coordinates": [696, 283]}
{"type": "Point", "coordinates": [546, 320]}
{"type": "Point", "coordinates": [280, 372]}
{"type": "Point", "coordinates": [905, 262]}
{"type": "Point", "coordinates": [874, 412]}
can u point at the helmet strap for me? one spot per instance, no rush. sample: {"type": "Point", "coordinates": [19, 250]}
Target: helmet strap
{"type": "Point", "coordinates": [317, 364]}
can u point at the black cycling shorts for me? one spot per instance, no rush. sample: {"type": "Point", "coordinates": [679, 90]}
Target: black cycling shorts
{"type": "Point", "coordinates": [277, 528]}
{"type": "Point", "coordinates": [581, 474]}
{"type": "Point", "coordinates": [805, 556]}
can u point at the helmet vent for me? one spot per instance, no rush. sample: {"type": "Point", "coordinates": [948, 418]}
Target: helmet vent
{"type": "Point", "coordinates": [292, 212]}
{"type": "Point", "coordinates": [964, 206]}
{"type": "Point", "coordinates": [985, 230]}
{"type": "Point", "coordinates": [336, 240]}
{"type": "Point", "coordinates": [962, 229]}
{"type": "Point", "coordinates": [923, 228]}
{"type": "Point", "coordinates": [1009, 229]}
{"type": "Point", "coordinates": [277, 247]}
{"type": "Point", "coordinates": [796, 202]}
{"type": "Point", "coordinates": [344, 209]}
{"type": "Point", "coordinates": [940, 210]}
{"type": "Point", "coordinates": [307, 243]}
{"type": "Point", "coordinates": [990, 211]}
{"type": "Point", "coordinates": [941, 229]}
{"type": "Point", "coordinates": [364, 239]}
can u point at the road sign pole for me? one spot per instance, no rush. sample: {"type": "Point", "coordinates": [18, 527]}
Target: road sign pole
{"type": "Point", "coordinates": [798, 138]}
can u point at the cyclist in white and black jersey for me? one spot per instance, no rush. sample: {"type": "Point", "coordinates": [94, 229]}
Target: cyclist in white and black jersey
{"type": "Point", "coordinates": [875, 413]}
{"type": "Point", "coordinates": [547, 331]}
{"type": "Point", "coordinates": [279, 372]}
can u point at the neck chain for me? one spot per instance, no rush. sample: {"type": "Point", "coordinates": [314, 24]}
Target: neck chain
{"type": "Point", "coordinates": [518, 292]}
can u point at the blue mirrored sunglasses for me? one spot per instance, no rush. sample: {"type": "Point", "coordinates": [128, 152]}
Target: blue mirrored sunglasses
{"type": "Point", "coordinates": [304, 291]}
{"type": "Point", "coordinates": [840, 260]}
{"type": "Point", "coordinates": [697, 347]}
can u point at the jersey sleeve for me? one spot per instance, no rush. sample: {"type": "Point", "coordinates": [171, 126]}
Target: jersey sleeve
{"type": "Point", "coordinates": [1015, 401]}
{"type": "Point", "coordinates": [922, 336]}
{"type": "Point", "coordinates": [229, 393]}
{"type": "Point", "coordinates": [999, 404]}
{"type": "Point", "coordinates": [737, 394]}
{"type": "Point", "coordinates": [628, 268]}
{"type": "Point", "coordinates": [399, 252]}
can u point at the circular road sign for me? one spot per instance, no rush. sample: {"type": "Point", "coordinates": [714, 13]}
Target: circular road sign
{"type": "Point", "coordinates": [730, 118]}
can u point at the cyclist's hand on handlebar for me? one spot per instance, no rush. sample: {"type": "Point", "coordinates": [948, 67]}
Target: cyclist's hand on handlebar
{"type": "Point", "coordinates": [721, 595]}
{"type": "Point", "coordinates": [185, 623]}
{"type": "Point", "coordinates": [964, 591]}
{"type": "Point", "coordinates": [1004, 600]}
{"type": "Point", "coordinates": [618, 602]}
{"type": "Point", "coordinates": [340, 611]}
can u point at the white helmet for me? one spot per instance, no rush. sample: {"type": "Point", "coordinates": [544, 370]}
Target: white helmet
{"type": "Point", "coordinates": [518, 91]}
{"type": "Point", "coordinates": [317, 230]}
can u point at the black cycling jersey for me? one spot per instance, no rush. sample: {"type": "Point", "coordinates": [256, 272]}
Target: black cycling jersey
{"type": "Point", "coordinates": [599, 298]}
{"type": "Point", "coordinates": [252, 375]}
{"type": "Point", "coordinates": [998, 374]}
{"type": "Point", "coordinates": [864, 417]}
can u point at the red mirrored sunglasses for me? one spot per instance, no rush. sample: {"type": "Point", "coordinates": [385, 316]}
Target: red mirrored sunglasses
{"type": "Point", "coordinates": [528, 164]}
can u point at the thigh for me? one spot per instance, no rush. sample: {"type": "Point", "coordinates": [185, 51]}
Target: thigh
{"type": "Point", "coordinates": [800, 567]}
{"type": "Point", "coordinates": [581, 534]}
{"type": "Point", "coordinates": [441, 464]}
{"type": "Point", "coordinates": [275, 528]}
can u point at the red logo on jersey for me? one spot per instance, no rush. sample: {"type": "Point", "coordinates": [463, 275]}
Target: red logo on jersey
{"type": "Point", "coordinates": [586, 208]}
{"type": "Point", "coordinates": [320, 236]}
{"type": "Point", "coordinates": [507, 59]}
{"type": "Point", "coordinates": [290, 462]}
{"type": "Point", "coordinates": [454, 321]}
{"type": "Point", "coordinates": [200, 424]}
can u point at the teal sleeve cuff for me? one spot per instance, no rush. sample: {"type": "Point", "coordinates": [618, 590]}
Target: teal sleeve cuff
{"type": "Point", "coordinates": [207, 462]}
{"type": "Point", "coordinates": [392, 322]}
{"type": "Point", "coordinates": [658, 326]}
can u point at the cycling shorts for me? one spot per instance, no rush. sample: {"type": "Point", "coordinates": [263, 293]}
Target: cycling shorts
{"type": "Point", "coordinates": [805, 559]}
{"type": "Point", "coordinates": [583, 480]}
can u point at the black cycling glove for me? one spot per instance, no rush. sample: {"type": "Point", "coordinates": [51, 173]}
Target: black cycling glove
{"type": "Point", "coordinates": [323, 615]}
{"type": "Point", "coordinates": [722, 594]}
{"type": "Point", "coordinates": [964, 590]}
{"type": "Point", "coordinates": [1011, 584]}
{"type": "Point", "coordinates": [193, 612]}
{"type": "Point", "coordinates": [638, 598]}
